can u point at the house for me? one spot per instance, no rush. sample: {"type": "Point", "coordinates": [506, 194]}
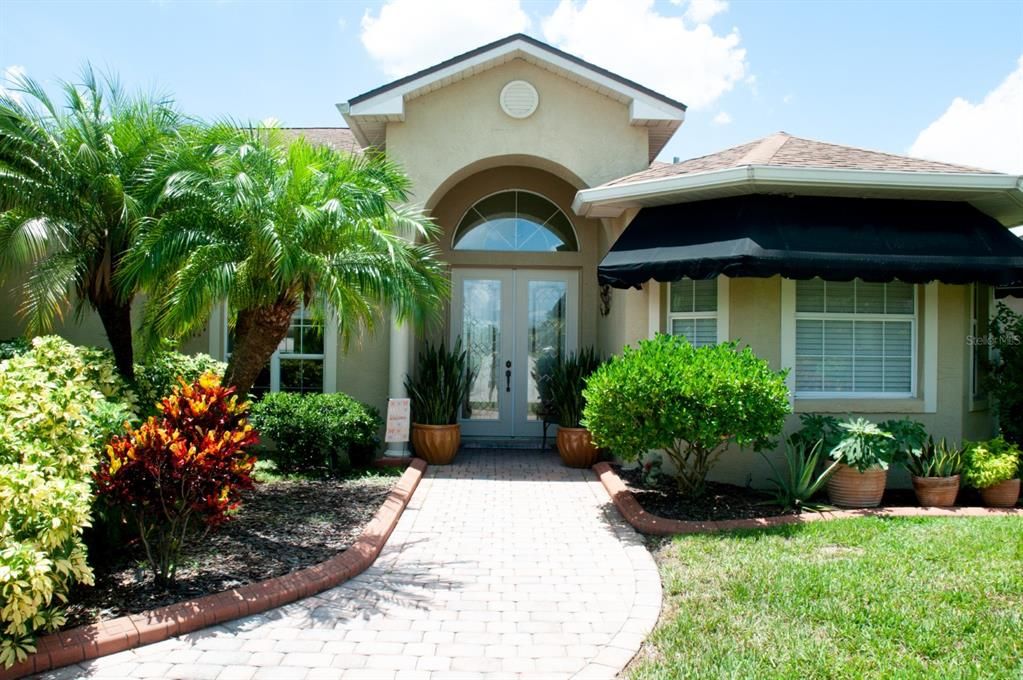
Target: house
{"type": "Point", "coordinates": [862, 272]}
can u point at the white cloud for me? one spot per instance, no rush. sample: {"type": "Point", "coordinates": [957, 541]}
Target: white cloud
{"type": "Point", "coordinates": [723, 118]}
{"type": "Point", "coordinates": [702, 11]}
{"type": "Point", "coordinates": [342, 23]}
{"type": "Point", "coordinates": [986, 135]}
{"type": "Point", "coordinates": [630, 37]}
{"type": "Point", "coordinates": [9, 76]}
{"type": "Point", "coordinates": [408, 35]}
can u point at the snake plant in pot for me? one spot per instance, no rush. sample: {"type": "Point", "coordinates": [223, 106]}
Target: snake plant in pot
{"type": "Point", "coordinates": [438, 389]}
{"type": "Point", "coordinates": [567, 379]}
{"type": "Point", "coordinates": [936, 469]}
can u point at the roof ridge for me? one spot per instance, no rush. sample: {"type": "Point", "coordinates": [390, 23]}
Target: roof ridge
{"type": "Point", "coordinates": [765, 149]}
{"type": "Point", "coordinates": [890, 154]}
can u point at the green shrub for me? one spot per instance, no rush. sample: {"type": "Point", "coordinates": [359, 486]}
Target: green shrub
{"type": "Point", "coordinates": [58, 403]}
{"type": "Point", "coordinates": [317, 433]}
{"type": "Point", "coordinates": [13, 347]}
{"type": "Point", "coordinates": [161, 372]}
{"type": "Point", "coordinates": [1005, 380]}
{"type": "Point", "coordinates": [991, 462]}
{"type": "Point", "coordinates": [909, 438]}
{"type": "Point", "coordinates": [690, 403]}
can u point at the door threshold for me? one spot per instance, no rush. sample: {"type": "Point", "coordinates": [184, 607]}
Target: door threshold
{"type": "Point", "coordinates": [525, 443]}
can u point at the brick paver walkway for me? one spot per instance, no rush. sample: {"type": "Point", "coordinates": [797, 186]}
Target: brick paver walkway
{"type": "Point", "coordinates": [504, 565]}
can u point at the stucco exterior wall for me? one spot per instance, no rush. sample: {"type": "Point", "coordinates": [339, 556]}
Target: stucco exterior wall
{"type": "Point", "coordinates": [575, 131]}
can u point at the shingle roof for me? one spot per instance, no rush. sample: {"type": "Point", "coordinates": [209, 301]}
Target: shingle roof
{"type": "Point", "coordinates": [340, 138]}
{"type": "Point", "coordinates": [785, 150]}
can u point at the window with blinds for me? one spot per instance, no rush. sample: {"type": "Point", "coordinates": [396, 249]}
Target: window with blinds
{"type": "Point", "coordinates": [855, 339]}
{"type": "Point", "coordinates": [693, 311]}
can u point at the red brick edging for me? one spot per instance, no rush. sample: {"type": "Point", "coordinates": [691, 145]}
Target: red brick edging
{"type": "Point", "coordinates": [646, 523]}
{"type": "Point", "coordinates": [127, 632]}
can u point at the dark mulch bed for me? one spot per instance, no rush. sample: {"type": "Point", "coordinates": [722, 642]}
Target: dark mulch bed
{"type": "Point", "coordinates": [282, 526]}
{"type": "Point", "coordinates": [728, 501]}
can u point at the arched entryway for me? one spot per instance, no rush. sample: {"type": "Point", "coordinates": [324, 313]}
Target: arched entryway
{"type": "Point", "coordinates": [521, 265]}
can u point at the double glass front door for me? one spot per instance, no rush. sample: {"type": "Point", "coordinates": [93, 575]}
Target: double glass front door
{"type": "Point", "coordinates": [514, 323]}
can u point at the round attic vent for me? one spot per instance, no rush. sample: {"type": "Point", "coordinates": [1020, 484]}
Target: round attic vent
{"type": "Point", "coordinates": [519, 99]}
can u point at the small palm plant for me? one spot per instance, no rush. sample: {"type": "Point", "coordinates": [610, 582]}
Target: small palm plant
{"type": "Point", "coordinates": [795, 489]}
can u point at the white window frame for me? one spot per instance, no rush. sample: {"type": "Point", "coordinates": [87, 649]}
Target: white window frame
{"type": "Point", "coordinates": [979, 401]}
{"type": "Point", "coordinates": [656, 318]}
{"type": "Point", "coordinates": [930, 304]}
{"type": "Point", "coordinates": [218, 348]}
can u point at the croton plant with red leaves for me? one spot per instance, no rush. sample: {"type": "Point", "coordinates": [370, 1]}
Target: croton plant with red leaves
{"type": "Point", "coordinates": [181, 470]}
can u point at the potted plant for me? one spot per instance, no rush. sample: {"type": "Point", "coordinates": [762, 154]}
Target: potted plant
{"type": "Point", "coordinates": [863, 453]}
{"type": "Point", "coordinates": [935, 470]}
{"type": "Point", "coordinates": [439, 387]}
{"type": "Point", "coordinates": [567, 379]}
{"type": "Point", "coordinates": [992, 467]}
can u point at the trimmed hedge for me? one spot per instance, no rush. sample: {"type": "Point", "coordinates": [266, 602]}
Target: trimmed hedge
{"type": "Point", "coordinates": [322, 434]}
{"type": "Point", "coordinates": [162, 372]}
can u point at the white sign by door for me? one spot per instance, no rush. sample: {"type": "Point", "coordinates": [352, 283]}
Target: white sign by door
{"type": "Point", "coordinates": [399, 417]}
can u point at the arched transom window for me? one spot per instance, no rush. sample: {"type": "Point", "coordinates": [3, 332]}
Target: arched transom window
{"type": "Point", "coordinates": [515, 221]}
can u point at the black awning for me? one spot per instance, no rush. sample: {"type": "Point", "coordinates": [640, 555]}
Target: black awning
{"type": "Point", "coordinates": [801, 237]}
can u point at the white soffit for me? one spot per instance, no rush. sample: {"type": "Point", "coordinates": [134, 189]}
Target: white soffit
{"type": "Point", "coordinates": [1000, 196]}
{"type": "Point", "coordinates": [368, 114]}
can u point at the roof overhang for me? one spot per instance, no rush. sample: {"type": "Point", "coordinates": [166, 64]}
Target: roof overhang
{"type": "Point", "coordinates": [997, 195]}
{"type": "Point", "coordinates": [368, 114]}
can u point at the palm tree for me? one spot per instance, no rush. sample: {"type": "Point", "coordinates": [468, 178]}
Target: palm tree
{"type": "Point", "coordinates": [76, 183]}
{"type": "Point", "coordinates": [269, 225]}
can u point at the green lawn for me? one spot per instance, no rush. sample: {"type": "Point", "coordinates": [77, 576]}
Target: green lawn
{"type": "Point", "coordinates": [861, 598]}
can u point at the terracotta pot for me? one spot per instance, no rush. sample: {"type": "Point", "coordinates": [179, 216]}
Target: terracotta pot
{"type": "Point", "coordinates": [1001, 495]}
{"type": "Point", "coordinates": [938, 492]}
{"type": "Point", "coordinates": [436, 444]}
{"type": "Point", "coordinates": [850, 488]}
{"type": "Point", "coordinates": [575, 446]}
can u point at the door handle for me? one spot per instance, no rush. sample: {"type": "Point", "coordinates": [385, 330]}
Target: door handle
{"type": "Point", "coordinates": [507, 376]}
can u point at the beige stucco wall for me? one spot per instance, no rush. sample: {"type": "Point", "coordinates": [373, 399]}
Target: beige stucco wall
{"type": "Point", "coordinates": [458, 129]}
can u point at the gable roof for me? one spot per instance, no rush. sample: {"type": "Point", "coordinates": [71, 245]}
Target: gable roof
{"type": "Point", "coordinates": [784, 164]}
{"type": "Point", "coordinates": [368, 113]}
{"type": "Point", "coordinates": [784, 150]}
{"type": "Point", "coordinates": [340, 138]}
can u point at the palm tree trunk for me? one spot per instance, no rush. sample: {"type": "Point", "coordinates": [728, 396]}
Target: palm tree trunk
{"type": "Point", "coordinates": [257, 332]}
{"type": "Point", "coordinates": [116, 319]}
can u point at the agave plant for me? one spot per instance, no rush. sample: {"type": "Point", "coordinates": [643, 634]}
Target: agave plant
{"type": "Point", "coordinates": [795, 489]}
{"type": "Point", "coordinates": [440, 385]}
{"type": "Point", "coordinates": [936, 460]}
{"type": "Point", "coordinates": [568, 378]}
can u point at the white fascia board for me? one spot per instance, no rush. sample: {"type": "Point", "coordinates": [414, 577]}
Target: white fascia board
{"type": "Point", "coordinates": [635, 193]}
{"type": "Point", "coordinates": [353, 124]}
{"type": "Point", "coordinates": [392, 102]}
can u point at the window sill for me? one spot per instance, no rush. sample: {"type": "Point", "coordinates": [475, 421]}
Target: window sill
{"type": "Point", "coordinates": [858, 405]}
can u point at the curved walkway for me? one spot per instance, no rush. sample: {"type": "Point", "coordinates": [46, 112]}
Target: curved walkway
{"type": "Point", "coordinates": [504, 565]}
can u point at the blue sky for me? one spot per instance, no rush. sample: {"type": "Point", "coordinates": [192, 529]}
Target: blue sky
{"type": "Point", "coordinates": [873, 74]}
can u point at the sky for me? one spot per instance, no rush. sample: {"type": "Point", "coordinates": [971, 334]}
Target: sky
{"type": "Point", "coordinates": [941, 80]}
